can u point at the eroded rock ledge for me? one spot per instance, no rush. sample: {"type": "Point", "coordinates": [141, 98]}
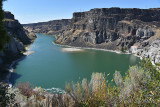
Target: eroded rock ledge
{"type": "Point", "coordinates": [107, 28]}
{"type": "Point", "coordinates": [19, 38]}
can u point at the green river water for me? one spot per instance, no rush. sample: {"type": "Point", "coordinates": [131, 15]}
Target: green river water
{"type": "Point", "coordinates": [51, 66]}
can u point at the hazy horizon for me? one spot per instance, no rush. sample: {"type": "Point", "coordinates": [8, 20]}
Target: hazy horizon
{"type": "Point", "coordinates": [29, 11]}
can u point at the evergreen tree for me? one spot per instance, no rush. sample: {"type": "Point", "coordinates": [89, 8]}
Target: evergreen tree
{"type": "Point", "coordinates": [3, 34]}
{"type": "Point", "coordinates": [3, 39]}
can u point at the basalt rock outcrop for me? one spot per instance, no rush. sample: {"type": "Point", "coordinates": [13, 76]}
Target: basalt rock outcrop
{"type": "Point", "coordinates": [107, 28]}
{"type": "Point", "coordinates": [19, 38]}
{"type": "Point", "coordinates": [152, 51]}
{"type": "Point", "coordinates": [16, 30]}
{"type": "Point", "coordinates": [51, 27]}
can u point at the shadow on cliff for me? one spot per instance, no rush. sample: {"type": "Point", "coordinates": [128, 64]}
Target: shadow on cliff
{"type": "Point", "coordinates": [14, 77]}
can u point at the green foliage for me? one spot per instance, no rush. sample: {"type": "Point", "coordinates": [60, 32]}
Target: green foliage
{"type": "Point", "coordinates": [148, 66]}
{"type": "Point", "coordinates": [89, 94]}
{"type": "Point", "coordinates": [5, 97]}
{"type": "Point", "coordinates": [152, 93]}
{"type": "Point", "coordinates": [133, 85]}
{"type": "Point", "coordinates": [139, 87]}
{"type": "Point", "coordinates": [3, 34]}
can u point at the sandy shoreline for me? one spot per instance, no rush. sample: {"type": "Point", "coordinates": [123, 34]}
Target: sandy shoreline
{"type": "Point", "coordinates": [28, 53]}
{"type": "Point", "coordinates": [114, 51]}
{"type": "Point", "coordinates": [72, 50]}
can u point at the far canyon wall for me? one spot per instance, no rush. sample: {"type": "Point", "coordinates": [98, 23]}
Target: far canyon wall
{"type": "Point", "coordinates": [108, 28]}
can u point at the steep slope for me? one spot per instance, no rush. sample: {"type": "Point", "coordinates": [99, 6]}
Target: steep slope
{"type": "Point", "coordinates": [107, 28]}
{"type": "Point", "coordinates": [51, 27]}
{"type": "Point", "coordinates": [19, 37]}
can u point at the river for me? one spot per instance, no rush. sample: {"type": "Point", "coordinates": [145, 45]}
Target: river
{"type": "Point", "coordinates": [52, 66]}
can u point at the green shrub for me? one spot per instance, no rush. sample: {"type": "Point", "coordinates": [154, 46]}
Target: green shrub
{"type": "Point", "coordinates": [89, 94]}
{"type": "Point", "coordinates": [139, 87]}
{"type": "Point", "coordinates": [3, 98]}
{"type": "Point", "coordinates": [3, 34]}
{"type": "Point", "coordinates": [6, 98]}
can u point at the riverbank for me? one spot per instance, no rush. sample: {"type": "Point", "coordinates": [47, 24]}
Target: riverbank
{"type": "Point", "coordinates": [28, 52]}
{"type": "Point", "coordinates": [89, 48]}
{"type": "Point", "coordinates": [71, 65]}
{"type": "Point", "coordinates": [114, 51]}
{"type": "Point", "coordinates": [10, 69]}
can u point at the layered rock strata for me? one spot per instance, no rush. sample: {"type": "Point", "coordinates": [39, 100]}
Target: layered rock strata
{"type": "Point", "coordinates": [19, 38]}
{"type": "Point", "coordinates": [107, 28]}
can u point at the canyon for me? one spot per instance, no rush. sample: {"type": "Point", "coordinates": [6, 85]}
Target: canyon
{"type": "Point", "coordinates": [114, 29]}
{"type": "Point", "coordinates": [108, 28]}
{"type": "Point", "coordinates": [19, 39]}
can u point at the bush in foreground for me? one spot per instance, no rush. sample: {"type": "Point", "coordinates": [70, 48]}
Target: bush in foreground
{"type": "Point", "coordinates": [139, 87]}
{"type": "Point", "coordinates": [25, 89]}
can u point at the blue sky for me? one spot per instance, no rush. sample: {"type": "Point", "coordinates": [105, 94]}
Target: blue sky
{"type": "Point", "coordinates": [31, 11]}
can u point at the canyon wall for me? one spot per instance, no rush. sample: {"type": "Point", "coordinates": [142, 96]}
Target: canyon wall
{"type": "Point", "coordinates": [50, 28]}
{"type": "Point", "coordinates": [107, 28]}
{"type": "Point", "coordinates": [19, 38]}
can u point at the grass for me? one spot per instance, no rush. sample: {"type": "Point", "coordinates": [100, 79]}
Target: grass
{"type": "Point", "coordinates": [8, 20]}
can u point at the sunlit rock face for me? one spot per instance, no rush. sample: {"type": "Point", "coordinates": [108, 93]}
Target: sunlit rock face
{"type": "Point", "coordinates": [51, 27]}
{"type": "Point", "coordinates": [107, 28]}
{"type": "Point", "coordinates": [144, 33]}
{"type": "Point", "coordinates": [152, 51]}
{"type": "Point", "coordinates": [15, 29]}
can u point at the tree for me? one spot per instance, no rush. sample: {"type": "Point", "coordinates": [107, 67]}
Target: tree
{"type": "Point", "coordinates": [3, 34]}
{"type": "Point", "coordinates": [3, 39]}
{"type": "Point", "coordinates": [3, 98]}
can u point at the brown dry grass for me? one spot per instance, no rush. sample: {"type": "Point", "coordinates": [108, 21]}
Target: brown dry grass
{"type": "Point", "coordinates": [9, 20]}
{"type": "Point", "coordinates": [124, 21]}
{"type": "Point", "coordinates": [156, 35]}
{"type": "Point", "coordinates": [77, 32]}
{"type": "Point", "coordinates": [25, 89]}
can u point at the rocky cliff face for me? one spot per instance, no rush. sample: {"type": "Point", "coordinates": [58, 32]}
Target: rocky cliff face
{"type": "Point", "coordinates": [19, 37]}
{"type": "Point", "coordinates": [107, 28]}
{"type": "Point", "coordinates": [151, 51]}
{"type": "Point", "coordinates": [51, 27]}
